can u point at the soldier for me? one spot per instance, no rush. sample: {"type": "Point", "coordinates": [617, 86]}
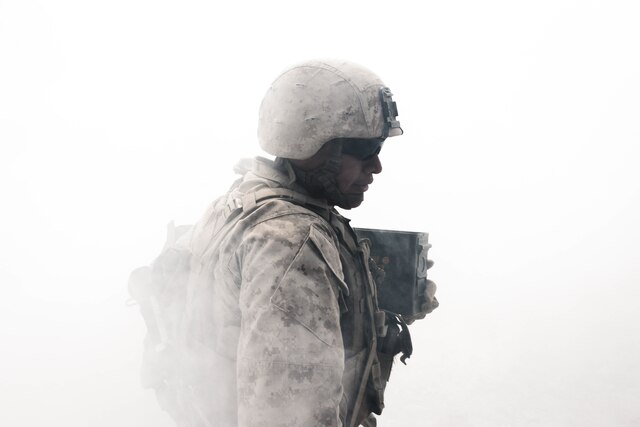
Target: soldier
{"type": "Point", "coordinates": [282, 325]}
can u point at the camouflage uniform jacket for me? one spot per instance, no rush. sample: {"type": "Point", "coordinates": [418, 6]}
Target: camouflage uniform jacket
{"type": "Point", "coordinates": [280, 309]}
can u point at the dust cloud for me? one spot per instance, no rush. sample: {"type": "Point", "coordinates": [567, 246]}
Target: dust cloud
{"type": "Point", "coordinates": [519, 159]}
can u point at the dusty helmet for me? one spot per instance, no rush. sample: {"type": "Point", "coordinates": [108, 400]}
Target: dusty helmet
{"type": "Point", "coordinates": [318, 101]}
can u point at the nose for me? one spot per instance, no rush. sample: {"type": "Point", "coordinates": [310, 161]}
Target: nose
{"type": "Point", "coordinates": [373, 165]}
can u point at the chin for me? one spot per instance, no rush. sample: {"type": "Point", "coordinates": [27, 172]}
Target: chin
{"type": "Point", "coordinates": [353, 202]}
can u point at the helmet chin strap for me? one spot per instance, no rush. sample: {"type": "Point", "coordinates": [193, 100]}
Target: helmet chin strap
{"type": "Point", "coordinates": [321, 182]}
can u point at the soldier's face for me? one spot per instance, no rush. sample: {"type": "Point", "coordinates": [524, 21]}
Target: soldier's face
{"type": "Point", "coordinates": [355, 176]}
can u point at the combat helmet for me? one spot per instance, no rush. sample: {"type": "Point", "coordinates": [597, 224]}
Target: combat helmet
{"type": "Point", "coordinates": [315, 102]}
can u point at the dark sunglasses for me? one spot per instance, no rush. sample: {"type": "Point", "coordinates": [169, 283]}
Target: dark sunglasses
{"type": "Point", "coordinates": [361, 148]}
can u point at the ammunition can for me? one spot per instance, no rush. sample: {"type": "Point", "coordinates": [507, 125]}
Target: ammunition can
{"type": "Point", "coordinates": [403, 257]}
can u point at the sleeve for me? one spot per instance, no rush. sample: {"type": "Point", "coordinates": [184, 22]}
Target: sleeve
{"type": "Point", "coordinates": [290, 351]}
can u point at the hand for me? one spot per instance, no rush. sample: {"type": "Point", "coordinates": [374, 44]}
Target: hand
{"type": "Point", "coordinates": [428, 302]}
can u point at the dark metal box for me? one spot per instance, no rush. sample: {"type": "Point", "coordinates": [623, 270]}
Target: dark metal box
{"type": "Point", "coordinates": [403, 257]}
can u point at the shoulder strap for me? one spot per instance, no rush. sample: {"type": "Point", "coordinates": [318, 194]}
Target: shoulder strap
{"type": "Point", "coordinates": [251, 200]}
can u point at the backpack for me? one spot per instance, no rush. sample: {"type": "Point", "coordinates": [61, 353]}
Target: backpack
{"type": "Point", "coordinates": [160, 290]}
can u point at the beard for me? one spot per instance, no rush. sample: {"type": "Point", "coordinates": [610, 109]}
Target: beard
{"type": "Point", "coordinates": [345, 201]}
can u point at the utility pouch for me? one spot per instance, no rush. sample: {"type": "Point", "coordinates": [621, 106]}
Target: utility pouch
{"type": "Point", "coordinates": [397, 340]}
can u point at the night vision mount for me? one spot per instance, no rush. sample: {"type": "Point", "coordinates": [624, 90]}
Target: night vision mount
{"type": "Point", "coordinates": [389, 112]}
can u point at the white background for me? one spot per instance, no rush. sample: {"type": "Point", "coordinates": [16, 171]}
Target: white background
{"type": "Point", "coordinates": [520, 158]}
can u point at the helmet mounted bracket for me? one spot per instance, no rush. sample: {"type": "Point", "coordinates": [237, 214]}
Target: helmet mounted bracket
{"type": "Point", "coordinates": [389, 112]}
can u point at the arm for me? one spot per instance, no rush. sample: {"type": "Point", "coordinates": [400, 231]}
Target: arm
{"type": "Point", "coordinates": [290, 352]}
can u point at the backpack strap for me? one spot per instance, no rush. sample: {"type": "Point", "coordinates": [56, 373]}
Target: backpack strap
{"type": "Point", "coordinates": [249, 201]}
